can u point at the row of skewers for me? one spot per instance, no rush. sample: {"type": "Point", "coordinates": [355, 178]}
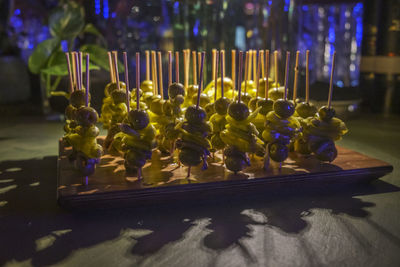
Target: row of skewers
{"type": "Point", "coordinates": [250, 114]}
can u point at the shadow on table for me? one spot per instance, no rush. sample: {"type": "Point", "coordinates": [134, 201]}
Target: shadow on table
{"type": "Point", "coordinates": [33, 227]}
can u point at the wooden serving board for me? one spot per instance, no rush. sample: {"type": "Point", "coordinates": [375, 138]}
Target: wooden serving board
{"type": "Point", "coordinates": [165, 181]}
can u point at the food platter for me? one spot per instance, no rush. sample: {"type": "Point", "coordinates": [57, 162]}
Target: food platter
{"type": "Point", "coordinates": [166, 182]}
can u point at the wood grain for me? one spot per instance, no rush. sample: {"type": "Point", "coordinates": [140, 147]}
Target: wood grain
{"type": "Point", "coordinates": [164, 180]}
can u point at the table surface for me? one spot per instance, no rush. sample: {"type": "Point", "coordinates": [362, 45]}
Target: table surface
{"type": "Point", "coordinates": [348, 226]}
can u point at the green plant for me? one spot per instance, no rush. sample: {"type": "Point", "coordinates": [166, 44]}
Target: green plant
{"type": "Point", "coordinates": [66, 23]}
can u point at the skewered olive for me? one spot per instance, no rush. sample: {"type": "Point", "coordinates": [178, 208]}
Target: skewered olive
{"type": "Point", "coordinates": [147, 86]}
{"type": "Point", "coordinates": [210, 109]}
{"type": "Point", "coordinates": [167, 108]}
{"type": "Point", "coordinates": [278, 152]}
{"type": "Point", "coordinates": [176, 89]}
{"type": "Point", "coordinates": [276, 93]}
{"type": "Point", "coordinates": [195, 115]}
{"type": "Point", "coordinates": [133, 93]}
{"type": "Point", "coordinates": [118, 96]}
{"type": "Point", "coordinates": [139, 119]}
{"type": "Point", "coordinates": [204, 99]}
{"type": "Point", "coordinates": [266, 105]}
{"type": "Point", "coordinates": [192, 89]}
{"type": "Point", "coordinates": [284, 108]}
{"type": "Point", "coordinates": [306, 110]}
{"type": "Point", "coordinates": [235, 164]}
{"type": "Point", "coordinates": [221, 105]}
{"type": "Point", "coordinates": [86, 116]}
{"type": "Point", "coordinates": [325, 151]}
{"type": "Point", "coordinates": [157, 104]}
{"type": "Point", "coordinates": [326, 114]}
{"type": "Point", "coordinates": [78, 98]}
{"type": "Point", "coordinates": [113, 86]}
{"type": "Point", "coordinates": [178, 100]}
{"type": "Point", "coordinates": [253, 103]}
{"type": "Point", "coordinates": [190, 157]}
{"type": "Point", "coordinates": [132, 158]}
{"type": "Point", "coordinates": [245, 98]}
{"type": "Point", "coordinates": [70, 112]}
{"type": "Point", "coordinates": [238, 111]}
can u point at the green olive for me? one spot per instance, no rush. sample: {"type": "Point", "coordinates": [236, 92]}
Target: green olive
{"type": "Point", "coordinates": [238, 111]}
{"type": "Point", "coordinates": [326, 151]}
{"type": "Point", "coordinates": [157, 104]}
{"type": "Point", "coordinates": [70, 112]}
{"type": "Point", "coordinates": [176, 89]}
{"type": "Point", "coordinates": [204, 99]}
{"type": "Point", "coordinates": [113, 86]}
{"type": "Point", "coordinates": [139, 119]}
{"type": "Point", "coordinates": [147, 86]}
{"type": "Point", "coordinates": [253, 103]}
{"type": "Point", "coordinates": [133, 93]}
{"type": "Point", "coordinates": [192, 90]}
{"type": "Point", "coordinates": [134, 159]}
{"type": "Point", "coordinates": [86, 116]}
{"type": "Point", "coordinates": [276, 93]}
{"type": "Point", "coordinates": [326, 114]}
{"type": "Point", "coordinates": [266, 105]}
{"type": "Point", "coordinates": [300, 146]}
{"type": "Point", "coordinates": [283, 108]}
{"type": "Point", "coordinates": [195, 115]}
{"type": "Point", "coordinates": [278, 152]}
{"type": "Point", "coordinates": [78, 98]}
{"type": "Point", "coordinates": [167, 108]}
{"type": "Point", "coordinates": [221, 105]}
{"type": "Point", "coordinates": [118, 96]}
{"type": "Point", "coordinates": [235, 164]}
{"type": "Point", "coordinates": [306, 110]}
{"type": "Point", "coordinates": [210, 109]}
{"type": "Point", "coordinates": [178, 100]}
{"type": "Point", "coordinates": [190, 157]}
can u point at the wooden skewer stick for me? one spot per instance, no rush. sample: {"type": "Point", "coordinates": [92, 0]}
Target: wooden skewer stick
{"type": "Point", "coordinates": [78, 84]}
{"type": "Point", "coordinates": [177, 66]}
{"type": "Point", "coordinates": [262, 63]}
{"type": "Point", "coordinates": [154, 72]}
{"type": "Point", "coordinates": [138, 80]}
{"type": "Point", "coordinates": [296, 74]}
{"type": "Point", "coordinates": [276, 67]}
{"type": "Point", "coordinates": [287, 73]}
{"type": "Point", "coordinates": [116, 68]}
{"type": "Point", "coordinates": [331, 80]}
{"type": "Point", "coordinates": [257, 77]}
{"type": "Point", "coordinates": [233, 73]}
{"type": "Point", "coordinates": [200, 79]}
{"type": "Point", "coordinates": [110, 65]}
{"type": "Point", "coordinates": [307, 76]}
{"type": "Point", "coordinates": [222, 72]}
{"type": "Point", "coordinates": [147, 65]}
{"type": "Point", "coordinates": [71, 82]}
{"type": "Point", "coordinates": [160, 75]}
{"type": "Point", "coordinates": [81, 68]}
{"type": "Point", "coordinates": [249, 64]}
{"type": "Point", "coordinates": [266, 73]}
{"type": "Point", "coordinates": [194, 67]}
{"type": "Point", "coordinates": [169, 68]}
{"type": "Point", "coordinates": [187, 68]}
{"type": "Point", "coordinates": [213, 60]}
{"type": "Point", "coordinates": [126, 79]}
{"type": "Point", "coordinates": [246, 65]}
{"type": "Point", "coordinates": [87, 80]}
{"type": "Point", "coordinates": [255, 65]}
{"type": "Point", "coordinates": [216, 58]}
{"type": "Point", "coordinates": [74, 70]}
{"type": "Point", "coordinates": [240, 75]}
{"type": "Point", "coordinates": [185, 78]}
{"type": "Point", "coordinates": [223, 60]}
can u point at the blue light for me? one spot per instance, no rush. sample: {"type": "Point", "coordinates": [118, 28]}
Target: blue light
{"type": "Point", "coordinates": [113, 15]}
{"type": "Point", "coordinates": [305, 8]}
{"type": "Point", "coordinates": [106, 10]}
{"type": "Point", "coordinates": [176, 7]}
{"type": "Point", "coordinates": [269, 2]}
{"type": "Point", "coordinates": [339, 83]}
{"type": "Point", "coordinates": [196, 27]}
{"type": "Point", "coordinates": [97, 8]}
{"type": "Point", "coordinates": [287, 4]}
{"type": "Point", "coordinates": [358, 14]}
{"type": "Point", "coordinates": [64, 45]}
{"type": "Point", "coordinates": [17, 12]}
